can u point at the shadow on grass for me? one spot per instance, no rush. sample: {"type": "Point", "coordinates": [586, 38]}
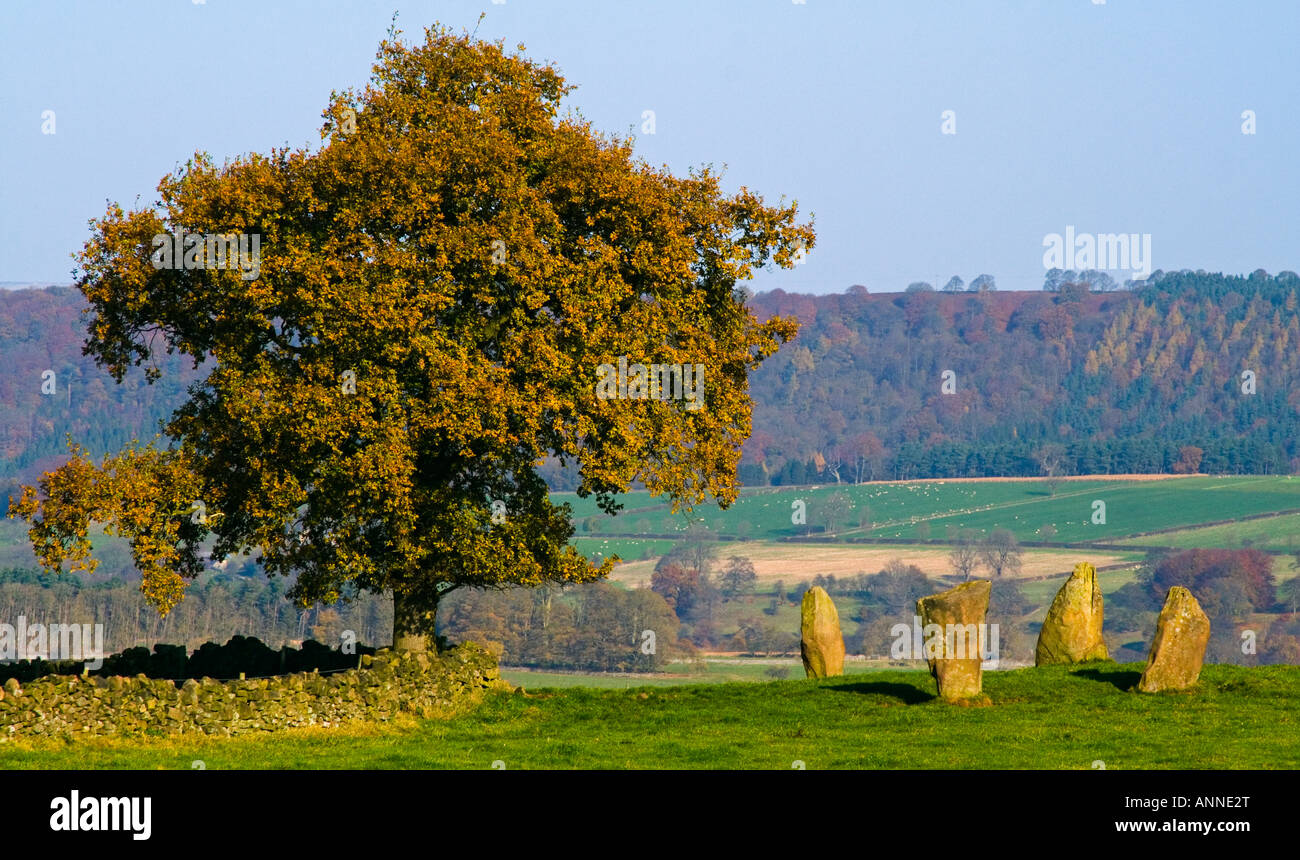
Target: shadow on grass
{"type": "Point", "coordinates": [905, 693]}
{"type": "Point", "coordinates": [1121, 679]}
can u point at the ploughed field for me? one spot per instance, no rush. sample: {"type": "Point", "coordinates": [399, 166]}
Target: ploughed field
{"type": "Point", "coordinates": [794, 563]}
{"type": "Point", "coordinates": [1050, 718]}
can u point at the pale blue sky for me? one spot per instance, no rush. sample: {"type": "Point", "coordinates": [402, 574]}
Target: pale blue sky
{"type": "Point", "coordinates": [1115, 117]}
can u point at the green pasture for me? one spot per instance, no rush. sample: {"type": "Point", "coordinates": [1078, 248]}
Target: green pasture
{"type": "Point", "coordinates": [908, 510]}
{"type": "Point", "coordinates": [1050, 718]}
{"type": "Point", "coordinates": [1278, 533]}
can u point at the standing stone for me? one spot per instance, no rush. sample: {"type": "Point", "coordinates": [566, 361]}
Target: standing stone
{"type": "Point", "coordinates": [1071, 633]}
{"type": "Point", "coordinates": [959, 616]}
{"type": "Point", "coordinates": [822, 646]}
{"type": "Point", "coordinates": [1178, 649]}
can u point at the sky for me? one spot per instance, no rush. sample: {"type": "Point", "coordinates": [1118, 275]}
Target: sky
{"type": "Point", "coordinates": [1115, 117]}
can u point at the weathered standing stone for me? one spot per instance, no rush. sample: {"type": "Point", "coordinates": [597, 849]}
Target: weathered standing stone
{"type": "Point", "coordinates": [959, 613]}
{"type": "Point", "coordinates": [822, 645]}
{"type": "Point", "coordinates": [1178, 649]}
{"type": "Point", "coordinates": [1071, 632]}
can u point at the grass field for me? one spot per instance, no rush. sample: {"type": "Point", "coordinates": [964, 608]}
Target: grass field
{"type": "Point", "coordinates": [1280, 533]}
{"type": "Point", "coordinates": [1051, 718]}
{"type": "Point", "coordinates": [625, 548]}
{"type": "Point", "coordinates": [1133, 506]}
{"type": "Point", "coordinates": [717, 670]}
{"type": "Point", "coordinates": [1178, 507]}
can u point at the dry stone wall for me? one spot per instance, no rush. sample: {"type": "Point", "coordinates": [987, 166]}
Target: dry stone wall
{"type": "Point", "coordinates": [386, 685]}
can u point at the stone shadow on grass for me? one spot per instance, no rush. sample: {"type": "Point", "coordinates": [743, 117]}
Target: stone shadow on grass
{"type": "Point", "coordinates": [905, 693]}
{"type": "Point", "coordinates": [1123, 679]}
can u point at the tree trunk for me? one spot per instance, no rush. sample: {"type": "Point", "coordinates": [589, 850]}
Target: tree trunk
{"type": "Point", "coordinates": [413, 625]}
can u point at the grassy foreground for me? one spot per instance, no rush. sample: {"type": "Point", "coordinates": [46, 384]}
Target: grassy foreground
{"type": "Point", "coordinates": [1039, 719]}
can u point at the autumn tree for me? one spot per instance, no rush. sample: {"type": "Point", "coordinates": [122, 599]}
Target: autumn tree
{"type": "Point", "coordinates": [1205, 570]}
{"type": "Point", "coordinates": [686, 591]}
{"type": "Point", "coordinates": [737, 578]}
{"type": "Point", "coordinates": [863, 452]}
{"type": "Point", "coordinates": [440, 287]}
{"type": "Point", "coordinates": [1189, 460]}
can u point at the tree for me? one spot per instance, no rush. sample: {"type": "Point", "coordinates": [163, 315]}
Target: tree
{"type": "Point", "coordinates": [1289, 592]}
{"type": "Point", "coordinates": [828, 467]}
{"type": "Point", "coordinates": [737, 578]}
{"type": "Point", "coordinates": [1055, 277]}
{"type": "Point", "coordinates": [1282, 642]}
{"type": "Point", "coordinates": [1000, 552]}
{"type": "Point", "coordinates": [835, 511]}
{"type": "Point", "coordinates": [982, 284]}
{"type": "Point", "coordinates": [765, 637]}
{"type": "Point", "coordinates": [440, 289]}
{"type": "Point", "coordinates": [1101, 281]}
{"type": "Point", "coordinates": [864, 453]}
{"type": "Point", "coordinates": [1189, 460]}
{"type": "Point", "coordinates": [965, 555]}
{"type": "Point", "coordinates": [698, 550]}
{"type": "Point", "coordinates": [955, 285]}
{"type": "Point", "coordinates": [898, 586]}
{"type": "Point", "coordinates": [328, 626]}
{"type": "Point", "coordinates": [1201, 569]}
{"type": "Point", "coordinates": [596, 626]}
{"type": "Point", "coordinates": [1072, 292]}
{"type": "Point", "coordinates": [919, 287]}
{"type": "Point", "coordinates": [1052, 460]}
{"type": "Point", "coordinates": [1008, 602]}
{"type": "Point", "coordinates": [684, 589]}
